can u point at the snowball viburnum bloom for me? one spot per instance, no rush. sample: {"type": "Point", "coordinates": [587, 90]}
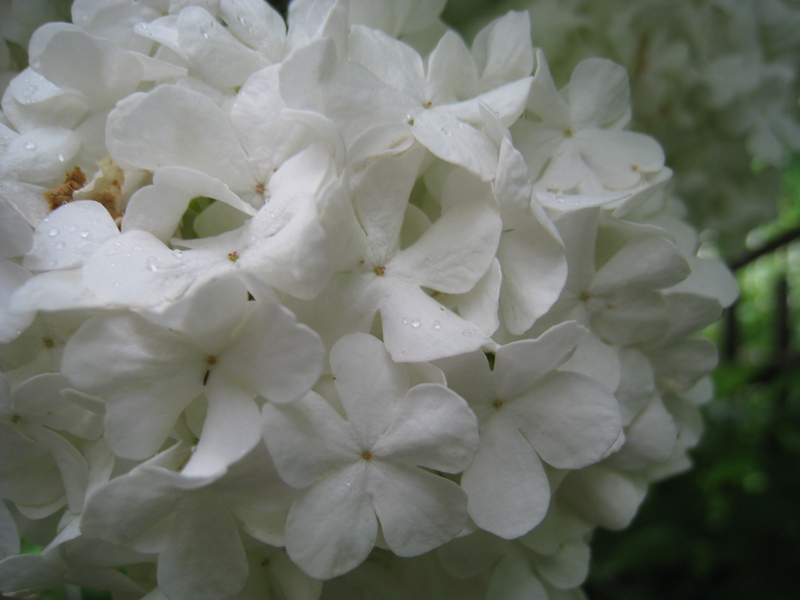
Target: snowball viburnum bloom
{"type": "Point", "coordinates": [380, 276]}
{"type": "Point", "coordinates": [529, 413]}
{"type": "Point", "coordinates": [579, 144]}
{"type": "Point", "coordinates": [383, 85]}
{"type": "Point", "coordinates": [216, 343]}
{"type": "Point", "coordinates": [362, 466]}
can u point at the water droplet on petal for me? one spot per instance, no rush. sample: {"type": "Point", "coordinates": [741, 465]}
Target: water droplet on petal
{"type": "Point", "coordinates": [53, 232]}
{"type": "Point", "coordinates": [153, 263]}
{"type": "Point", "coordinates": [415, 323]}
{"type": "Point", "coordinates": [446, 131]}
{"type": "Point", "coordinates": [84, 233]}
{"type": "Point", "coordinates": [30, 146]}
{"type": "Point", "coordinates": [405, 321]}
{"type": "Point", "coordinates": [177, 253]}
{"type": "Point", "coordinates": [60, 157]}
{"type": "Point", "coordinates": [60, 246]}
{"type": "Point", "coordinates": [437, 325]}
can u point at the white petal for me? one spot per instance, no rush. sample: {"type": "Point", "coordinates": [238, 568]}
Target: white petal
{"type": "Point", "coordinates": [544, 99]}
{"type": "Point", "coordinates": [619, 158]}
{"type": "Point", "coordinates": [370, 385]}
{"type": "Point", "coordinates": [9, 536]}
{"type": "Point", "coordinates": [604, 496]}
{"type": "Point", "coordinates": [278, 357]}
{"type": "Point", "coordinates": [649, 439]}
{"type": "Point", "coordinates": [456, 251]}
{"type": "Point", "coordinates": [630, 316]}
{"type": "Point", "coordinates": [231, 429]}
{"type": "Point", "coordinates": [569, 419]}
{"type": "Point", "coordinates": [216, 55]}
{"type": "Point", "coordinates": [520, 364]}
{"type": "Point", "coordinates": [332, 528]}
{"type": "Point", "coordinates": [175, 126]}
{"type": "Point", "coordinates": [137, 269]}
{"type": "Point", "coordinates": [158, 208]}
{"type": "Point", "coordinates": [203, 556]}
{"type": "Point", "coordinates": [452, 74]}
{"type": "Point", "coordinates": [418, 510]}
{"type": "Point", "coordinates": [503, 50]}
{"type": "Point", "coordinates": [650, 261]}
{"type": "Point", "coordinates": [97, 69]}
{"type": "Point", "coordinates": [534, 273]}
{"type": "Point", "coordinates": [456, 142]}
{"type": "Point", "coordinates": [15, 233]}
{"type": "Point", "coordinates": [506, 484]}
{"type": "Point", "coordinates": [598, 94]}
{"type": "Point", "coordinates": [69, 235]}
{"type": "Point", "coordinates": [392, 61]}
{"type": "Point", "coordinates": [13, 319]}
{"type": "Point", "coordinates": [40, 155]}
{"type": "Point", "coordinates": [433, 427]}
{"type": "Point", "coordinates": [513, 579]}
{"type": "Point", "coordinates": [416, 328]}
{"type": "Point", "coordinates": [307, 439]}
{"type": "Point", "coordinates": [257, 24]}
{"type": "Point", "coordinates": [52, 291]}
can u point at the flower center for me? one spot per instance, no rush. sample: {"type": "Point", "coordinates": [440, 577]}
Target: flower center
{"type": "Point", "coordinates": [210, 362]}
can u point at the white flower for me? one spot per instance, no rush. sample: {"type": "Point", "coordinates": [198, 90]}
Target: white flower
{"type": "Point", "coordinates": [150, 370]}
{"type": "Point", "coordinates": [579, 145]}
{"type": "Point", "coordinates": [529, 413]}
{"type": "Point", "coordinates": [362, 467]}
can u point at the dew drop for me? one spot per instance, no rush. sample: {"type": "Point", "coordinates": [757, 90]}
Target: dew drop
{"type": "Point", "coordinates": [177, 253]}
{"type": "Point", "coordinates": [415, 323]}
{"type": "Point", "coordinates": [84, 233]}
{"type": "Point", "coordinates": [405, 321]}
{"type": "Point", "coordinates": [60, 246]}
{"type": "Point", "coordinates": [437, 325]}
{"type": "Point", "coordinates": [152, 263]}
{"type": "Point", "coordinates": [30, 146]}
{"type": "Point", "coordinates": [60, 157]}
{"type": "Point", "coordinates": [446, 131]}
{"type": "Point", "coordinates": [53, 232]}
{"type": "Point", "coordinates": [467, 333]}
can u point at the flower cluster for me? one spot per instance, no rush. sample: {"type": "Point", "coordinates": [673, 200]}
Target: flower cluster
{"type": "Point", "coordinates": [715, 81]}
{"type": "Point", "coordinates": [337, 307]}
